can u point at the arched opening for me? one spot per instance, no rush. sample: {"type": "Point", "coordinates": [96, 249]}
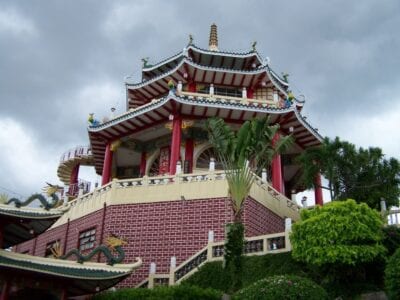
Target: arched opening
{"type": "Point", "coordinates": [203, 160]}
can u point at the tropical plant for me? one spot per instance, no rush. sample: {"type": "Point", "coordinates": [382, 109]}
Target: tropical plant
{"type": "Point", "coordinates": [243, 153]}
{"type": "Point", "coordinates": [361, 174]}
{"type": "Point", "coordinates": [3, 198]}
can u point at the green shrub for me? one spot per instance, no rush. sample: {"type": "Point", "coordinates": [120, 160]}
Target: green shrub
{"type": "Point", "coordinates": [282, 287]}
{"type": "Point", "coordinates": [391, 239]}
{"type": "Point", "coordinates": [392, 276]}
{"type": "Point", "coordinates": [213, 275]}
{"type": "Point", "coordinates": [179, 292]}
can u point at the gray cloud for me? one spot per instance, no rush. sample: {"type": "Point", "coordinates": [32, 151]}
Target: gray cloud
{"type": "Point", "coordinates": [63, 59]}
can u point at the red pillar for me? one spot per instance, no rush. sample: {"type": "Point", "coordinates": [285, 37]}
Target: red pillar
{"type": "Point", "coordinates": [5, 292]}
{"type": "Point", "coordinates": [1, 236]}
{"type": "Point", "coordinates": [192, 87]}
{"type": "Point", "coordinates": [73, 180]}
{"type": "Point", "coordinates": [175, 143]}
{"type": "Point", "coordinates": [189, 148]}
{"type": "Point", "coordinates": [64, 295]}
{"type": "Point", "coordinates": [318, 190]}
{"type": "Point", "coordinates": [106, 176]}
{"type": "Point", "coordinates": [143, 164]}
{"type": "Point", "coordinates": [250, 93]}
{"type": "Point", "coordinates": [277, 176]}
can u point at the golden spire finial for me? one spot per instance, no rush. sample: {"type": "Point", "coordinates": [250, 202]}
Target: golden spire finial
{"type": "Point", "coordinates": [213, 43]}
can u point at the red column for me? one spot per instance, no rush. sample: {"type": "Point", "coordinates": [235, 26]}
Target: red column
{"type": "Point", "coordinates": [189, 147]}
{"type": "Point", "coordinates": [318, 190]}
{"type": "Point", "coordinates": [5, 292]}
{"type": "Point", "coordinates": [143, 164]}
{"type": "Point", "coordinates": [277, 178]}
{"type": "Point", "coordinates": [64, 295]}
{"type": "Point", "coordinates": [106, 176]}
{"type": "Point", "coordinates": [192, 87]}
{"type": "Point", "coordinates": [175, 143]}
{"type": "Point", "coordinates": [250, 93]}
{"type": "Point", "coordinates": [1, 236]}
{"type": "Point", "coordinates": [73, 180]}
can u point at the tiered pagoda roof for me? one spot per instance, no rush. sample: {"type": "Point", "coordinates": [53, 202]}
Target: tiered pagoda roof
{"type": "Point", "coordinates": [202, 66]}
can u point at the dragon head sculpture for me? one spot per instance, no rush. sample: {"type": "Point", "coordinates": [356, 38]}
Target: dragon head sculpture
{"type": "Point", "coordinates": [114, 241]}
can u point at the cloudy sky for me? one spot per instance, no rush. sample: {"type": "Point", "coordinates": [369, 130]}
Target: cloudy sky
{"type": "Point", "coordinates": [60, 60]}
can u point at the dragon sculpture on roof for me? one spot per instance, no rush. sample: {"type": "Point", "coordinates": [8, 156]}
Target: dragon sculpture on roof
{"type": "Point", "coordinates": [113, 243]}
{"type": "Point", "coordinates": [50, 190]}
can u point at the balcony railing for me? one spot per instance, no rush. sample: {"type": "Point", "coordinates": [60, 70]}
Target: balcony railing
{"type": "Point", "coordinates": [214, 251]}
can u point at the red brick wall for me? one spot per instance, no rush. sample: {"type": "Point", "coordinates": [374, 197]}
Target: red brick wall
{"type": "Point", "coordinates": [157, 231]}
{"type": "Point", "coordinates": [260, 220]}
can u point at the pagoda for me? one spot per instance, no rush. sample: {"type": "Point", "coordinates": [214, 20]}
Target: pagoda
{"type": "Point", "coordinates": [162, 188]}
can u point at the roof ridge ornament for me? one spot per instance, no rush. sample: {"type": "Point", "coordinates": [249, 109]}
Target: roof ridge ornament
{"type": "Point", "coordinates": [213, 41]}
{"type": "Point", "coordinates": [253, 46]}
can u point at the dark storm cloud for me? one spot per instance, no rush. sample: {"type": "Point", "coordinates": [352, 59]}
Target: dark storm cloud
{"type": "Point", "coordinates": [342, 55]}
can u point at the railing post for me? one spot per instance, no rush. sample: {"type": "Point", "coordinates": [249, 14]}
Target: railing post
{"type": "Point", "coordinates": [264, 175]}
{"type": "Point", "coordinates": [293, 196]}
{"type": "Point", "coordinates": [304, 201]}
{"type": "Point", "coordinates": [212, 165]}
{"type": "Point", "coordinates": [179, 87]}
{"type": "Point", "coordinates": [244, 93]}
{"type": "Point", "coordinates": [210, 244]}
{"type": "Point", "coordinates": [80, 193]}
{"type": "Point", "coordinates": [211, 89]}
{"type": "Point", "coordinates": [172, 271]}
{"type": "Point", "coordinates": [152, 274]}
{"type": "Point", "coordinates": [288, 229]}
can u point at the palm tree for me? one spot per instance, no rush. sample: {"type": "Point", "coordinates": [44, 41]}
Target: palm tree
{"type": "Point", "coordinates": [243, 153]}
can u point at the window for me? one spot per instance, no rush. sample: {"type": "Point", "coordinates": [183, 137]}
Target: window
{"type": "Point", "coordinates": [52, 245]}
{"type": "Point", "coordinates": [231, 92]}
{"type": "Point", "coordinates": [87, 239]}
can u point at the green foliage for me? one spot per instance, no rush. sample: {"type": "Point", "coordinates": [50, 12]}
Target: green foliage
{"type": "Point", "coordinates": [361, 174]}
{"type": "Point", "coordinates": [211, 274]}
{"type": "Point", "coordinates": [254, 268]}
{"type": "Point", "coordinates": [179, 292]}
{"type": "Point", "coordinates": [282, 287]}
{"type": "Point", "coordinates": [248, 149]}
{"type": "Point", "coordinates": [234, 253]}
{"type": "Point", "coordinates": [392, 276]}
{"type": "Point", "coordinates": [391, 238]}
{"type": "Point", "coordinates": [3, 198]}
{"type": "Point", "coordinates": [339, 233]}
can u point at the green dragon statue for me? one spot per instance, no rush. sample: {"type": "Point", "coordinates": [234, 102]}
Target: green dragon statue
{"type": "Point", "coordinates": [113, 243]}
{"type": "Point", "coordinates": [50, 190]}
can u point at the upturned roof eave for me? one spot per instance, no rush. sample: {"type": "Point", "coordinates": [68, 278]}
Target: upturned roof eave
{"type": "Point", "coordinates": [193, 47]}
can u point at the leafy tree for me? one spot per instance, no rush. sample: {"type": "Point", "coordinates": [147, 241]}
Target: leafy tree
{"type": "Point", "coordinates": [361, 174]}
{"type": "Point", "coordinates": [241, 153]}
{"type": "Point", "coordinates": [392, 276]}
{"type": "Point", "coordinates": [339, 233]}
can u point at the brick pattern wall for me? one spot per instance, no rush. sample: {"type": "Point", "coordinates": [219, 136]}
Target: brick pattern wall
{"type": "Point", "coordinates": [260, 220]}
{"type": "Point", "coordinates": [157, 231]}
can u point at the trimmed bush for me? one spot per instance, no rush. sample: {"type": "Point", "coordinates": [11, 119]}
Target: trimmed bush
{"type": "Point", "coordinates": [282, 287]}
{"type": "Point", "coordinates": [392, 276]}
{"type": "Point", "coordinates": [179, 292]}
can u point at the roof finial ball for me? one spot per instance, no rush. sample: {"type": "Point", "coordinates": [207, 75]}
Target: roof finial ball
{"type": "Point", "coordinates": [213, 43]}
